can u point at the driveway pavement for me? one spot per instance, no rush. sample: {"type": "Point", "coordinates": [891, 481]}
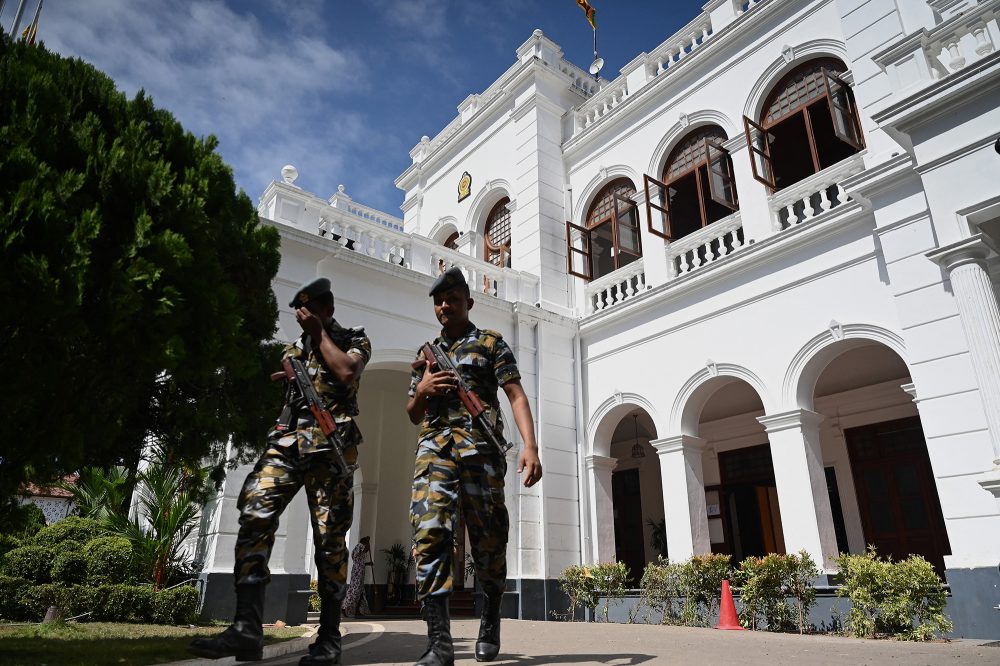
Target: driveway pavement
{"type": "Point", "coordinates": [539, 643]}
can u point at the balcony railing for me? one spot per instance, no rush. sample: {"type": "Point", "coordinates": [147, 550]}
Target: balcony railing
{"type": "Point", "coordinates": [371, 233]}
{"type": "Point", "coordinates": [705, 246]}
{"type": "Point", "coordinates": [814, 196]}
{"type": "Point", "coordinates": [927, 56]}
{"type": "Point", "coordinates": [614, 288]}
{"type": "Point", "coordinates": [680, 46]}
{"type": "Point", "coordinates": [602, 103]}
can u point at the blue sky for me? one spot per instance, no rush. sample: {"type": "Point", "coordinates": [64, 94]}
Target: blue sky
{"type": "Point", "coordinates": [341, 89]}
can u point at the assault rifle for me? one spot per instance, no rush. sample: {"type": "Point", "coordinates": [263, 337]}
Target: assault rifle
{"type": "Point", "coordinates": [298, 378]}
{"type": "Point", "coordinates": [438, 358]}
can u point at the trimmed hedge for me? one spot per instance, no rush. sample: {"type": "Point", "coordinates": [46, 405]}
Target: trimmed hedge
{"type": "Point", "coordinates": [69, 567]}
{"type": "Point", "coordinates": [176, 606]}
{"type": "Point", "coordinates": [110, 561]}
{"type": "Point", "coordinates": [31, 562]}
{"type": "Point", "coordinates": [19, 600]}
{"type": "Point", "coordinates": [8, 542]}
{"type": "Point", "coordinates": [11, 589]}
{"type": "Point", "coordinates": [72, 528]}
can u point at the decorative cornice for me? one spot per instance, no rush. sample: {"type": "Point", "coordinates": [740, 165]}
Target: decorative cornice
{"type": "Point", "coordinates": [797, 418]}
{"type": "Point", "coordinates": [597, 462]}
{"type": "Point", "coordinates": [676, 443]}
{"type": "Point", "coordinates": [973, 250]}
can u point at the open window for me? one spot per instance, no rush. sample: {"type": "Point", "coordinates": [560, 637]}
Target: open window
{"type": "Point", "coordinates": [611, 237]}
{"type": "Point", "coordinates": [810, 122]}
{"type": "Point", "coordinates": [698, 186]}
{"type": "Point", "coordinates": [657, 199]}
{"type": "Point", "coordinates": [496, 237]}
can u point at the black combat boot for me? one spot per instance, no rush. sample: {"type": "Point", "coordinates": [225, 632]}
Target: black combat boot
{"type": "Point", "coordinates": [244, 639]}
{"type": "Point", "coordinates": [325, 649]}
{"type": "Point", "coordinates": [488, 644]}
{"type": "Point", "coordinates": [440, 651]}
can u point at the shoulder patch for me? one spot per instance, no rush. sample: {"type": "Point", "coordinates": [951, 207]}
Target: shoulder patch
{"type": "Point", "coordinates": [491, 333]}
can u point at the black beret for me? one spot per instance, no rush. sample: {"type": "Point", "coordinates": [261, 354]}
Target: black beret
{"type": "Point", "coordinates": [453, 277]}
{"type": "Point", "coordinates": [310, 291]}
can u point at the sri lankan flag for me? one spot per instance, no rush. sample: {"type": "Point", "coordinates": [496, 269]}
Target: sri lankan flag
{"type": "Point", "coordinates": [589, 11]}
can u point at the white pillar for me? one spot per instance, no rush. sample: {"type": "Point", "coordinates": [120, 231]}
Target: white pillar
{"type": "Point", "coordinates": [966, 264]}
{"type": "Point", "coordinates": [654, 257]}
{"type": "Point", "coordinates": [683, 485]}
{"type": "Point", "coordinates": [602, 508]}
{"type": "Point", "coordinates": [803, 498]}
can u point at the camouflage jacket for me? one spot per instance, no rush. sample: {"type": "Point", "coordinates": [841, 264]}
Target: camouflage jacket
{"type": "Point", "coordinates": [485, 362]}
{"type": "Point", "coordinates": [340, 399]}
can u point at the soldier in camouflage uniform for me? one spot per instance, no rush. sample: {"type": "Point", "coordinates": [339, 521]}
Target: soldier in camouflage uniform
{"type": "Point", "coordinates": [458, 470]}
{"type": "Point", "coordinates": [299, 455]}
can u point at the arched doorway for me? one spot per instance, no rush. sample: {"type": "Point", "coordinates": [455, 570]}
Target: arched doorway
{"type": "Point", "coordinates": [882, 488]}
{"type": "Point", "coordinates": [741, 494]}
{"type": "Point", "coordinates": [382, 501]}
{"type": "Point", "coordinates": [637, 500]}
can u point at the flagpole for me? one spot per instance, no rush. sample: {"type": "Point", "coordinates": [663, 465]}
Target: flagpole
{"type": "Point", "coordinates": [17, 19]}
{"type": "Point", "coordinates": [34, 22]}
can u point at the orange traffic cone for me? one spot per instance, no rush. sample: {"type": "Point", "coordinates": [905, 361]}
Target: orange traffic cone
{"type": "Point", "coordinates": [727, 610]}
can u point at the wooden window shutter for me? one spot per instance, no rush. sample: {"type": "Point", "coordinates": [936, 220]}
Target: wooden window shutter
{"type": "Point", "coordinates": [759, 144]}
{"type": "Point", "coordinates": [659, 224]}
{"type": "Point", "coordinates": [578, 253]}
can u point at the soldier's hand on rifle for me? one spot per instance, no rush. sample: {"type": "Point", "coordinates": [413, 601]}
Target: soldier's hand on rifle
{"type": "Point", "coordinates": [436, 383]}
{"type": "Point", "coordinates": [278, 376]}
{"type": "Point", "coordinates": [310, 323]}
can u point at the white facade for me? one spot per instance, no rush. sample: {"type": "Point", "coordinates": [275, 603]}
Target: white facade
{"type": "Point", "coordinates": [863, 294]}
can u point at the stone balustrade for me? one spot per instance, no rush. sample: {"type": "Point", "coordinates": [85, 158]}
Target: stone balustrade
{"type": "Point", "coordinates": [813, 196]}
{"type": "Point", "coordinates": [680, 46]}
{"type": "Point", "coordinates": [602, 103]}
{"type": "Point", "coordinates": [614, 288]}
{"type": "Point", "coordinates": [743, 6]}
{"type": "Point", "coordinates": [377, 235]}
{"type": "Point", "coordinates": [707, 245]}
{"type": "Point", "coordinates": [927, 56]}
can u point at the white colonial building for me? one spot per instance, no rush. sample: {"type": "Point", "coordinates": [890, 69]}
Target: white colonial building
{"type": "Point", "coordinates": [751, 283]}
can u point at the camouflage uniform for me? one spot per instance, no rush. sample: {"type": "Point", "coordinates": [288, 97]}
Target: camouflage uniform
{"type": "Point", "coordinates": [456, 469]}
{"type": "Point", "coordinates": [302, 457]}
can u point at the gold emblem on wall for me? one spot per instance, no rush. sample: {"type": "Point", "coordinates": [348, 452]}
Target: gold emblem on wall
{"type": "Point", "coordinates": [464, 186]}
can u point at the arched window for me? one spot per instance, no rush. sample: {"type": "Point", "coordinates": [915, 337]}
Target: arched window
{"type": "Point", "coordinates": [809, 122]}
{"type": "Point", "coordinates": [611, 238]}
{"type": "Point", "coordinates": [451, 242]}
{"type": "Point", "coordinates": [496, 248]}
{"type": "Point", "coordinates": [697, 189]}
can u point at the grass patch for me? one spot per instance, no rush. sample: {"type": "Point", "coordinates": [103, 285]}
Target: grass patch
{"type": "Point", "coordinates": [107, 643]}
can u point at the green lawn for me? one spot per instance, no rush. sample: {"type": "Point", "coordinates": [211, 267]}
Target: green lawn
{"type": "Point", "coordinates": [106, 643]}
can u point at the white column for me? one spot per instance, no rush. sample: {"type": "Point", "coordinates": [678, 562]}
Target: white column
{"type": "Point", "coordinates": [602, 508]}
{"type": "Point", "coordinates": [803, 498]}
{"type": "Point", "coordinates": [654, 258]}
{"type": "Point", "coordinates": [683, 481]}
{"type": "Point", "coordinates": [966, 264]}
{"type": "Point", "coordinates": [365, 519]}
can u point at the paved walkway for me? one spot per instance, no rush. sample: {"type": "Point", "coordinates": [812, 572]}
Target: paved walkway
{"type": "Point", "coordinates": [540, 643]}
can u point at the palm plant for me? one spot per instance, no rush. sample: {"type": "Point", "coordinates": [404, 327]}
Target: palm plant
{"type": "Point", "coordinates": [167, 507]}
{"type": "Point", "coordinates": [100, 493]}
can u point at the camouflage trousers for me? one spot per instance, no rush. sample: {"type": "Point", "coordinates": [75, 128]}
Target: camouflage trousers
{"type": "Point", "coordinates": [443, 484]}
{"type": "Point", "coordinates": [278, 475]}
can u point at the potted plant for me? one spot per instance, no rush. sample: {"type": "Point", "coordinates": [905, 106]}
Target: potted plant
{"type": "Point", "coordinates": [397, 562]}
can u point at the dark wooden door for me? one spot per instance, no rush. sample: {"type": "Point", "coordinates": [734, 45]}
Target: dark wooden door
{"type": "Point", "coordinates": [629, 547]}
{"type": "Point", "coordinates": [897, 496]}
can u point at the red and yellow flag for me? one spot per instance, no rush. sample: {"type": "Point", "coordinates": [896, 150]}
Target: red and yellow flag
{"type": "Point", "coordinates": [589, 11]}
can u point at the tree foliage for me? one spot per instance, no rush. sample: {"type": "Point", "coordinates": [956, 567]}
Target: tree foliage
{"type": "Point", "coordinates": [135, 296]}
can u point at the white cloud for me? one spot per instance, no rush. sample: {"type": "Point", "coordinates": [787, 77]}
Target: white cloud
{"type": "Point", "coordinates": [272, 94]}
